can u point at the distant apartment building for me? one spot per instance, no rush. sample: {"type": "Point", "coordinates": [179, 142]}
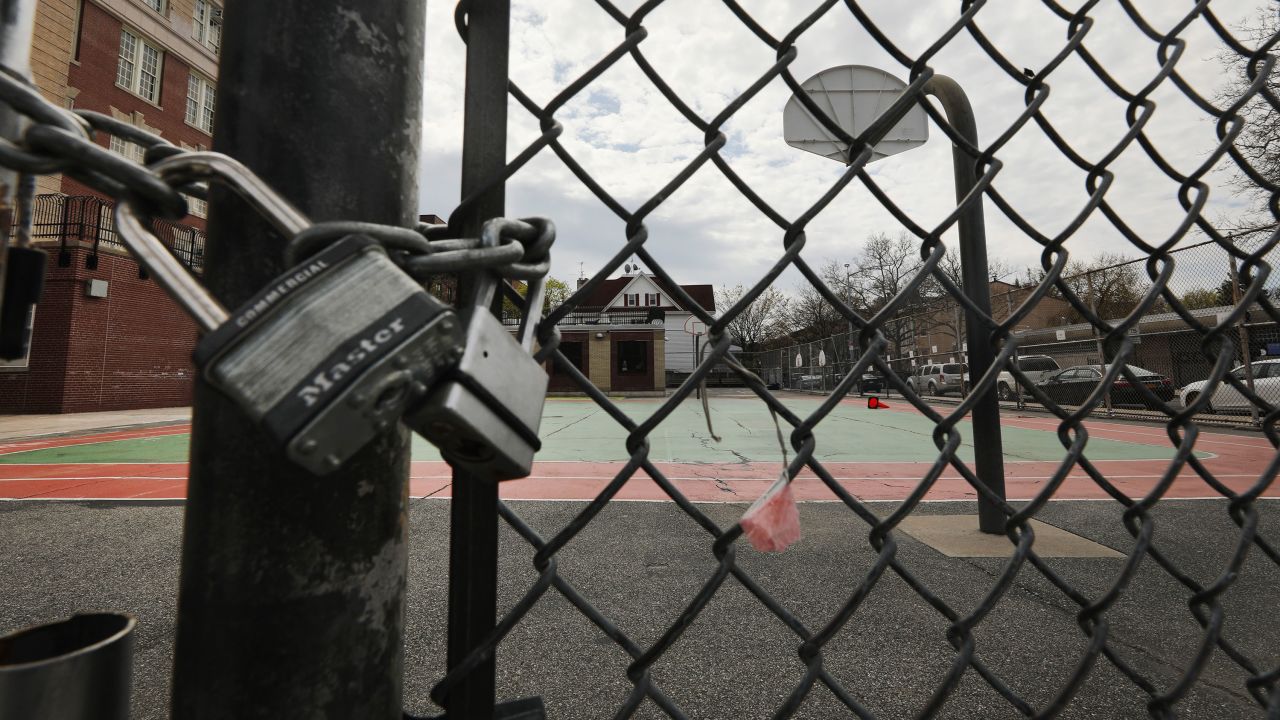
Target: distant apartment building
{"type": "Point", "coordinates": [105, 337]}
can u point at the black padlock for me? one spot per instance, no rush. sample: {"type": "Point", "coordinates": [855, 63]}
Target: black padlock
{"type": "Point", "coordinates": [23, 285]}
{"type": "Point", "coordinates": [485, 415]}
{"type": "Point", "coordinates": [326, 355]}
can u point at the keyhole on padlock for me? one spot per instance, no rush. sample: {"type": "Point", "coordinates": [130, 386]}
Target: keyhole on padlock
{"type": "Point", "coordinates": [391, 397]}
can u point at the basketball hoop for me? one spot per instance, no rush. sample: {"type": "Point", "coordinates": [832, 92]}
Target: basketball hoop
{"type": "Point", "coordinates": [694, 326]}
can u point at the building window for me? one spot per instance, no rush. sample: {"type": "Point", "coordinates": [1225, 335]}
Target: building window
{"type": "Point", "coordinates": [632, 356]}
{"type": "Point", "coordinates": [197, 207]}
{"type": "Point", "coordinates": [631, 299]}
{"type": "Point", "coordinates": [652, 299]}
{"type": "Point", "coordinates": [207, 24]}
{"type": "Point", "coordinates": [157, 5]}
{"type": "Point", "coordinates": [131, 150]}
{"type": "Point", "coordinates": [139, 68]}
{"type": "Point", "coordinates": [200, 102]}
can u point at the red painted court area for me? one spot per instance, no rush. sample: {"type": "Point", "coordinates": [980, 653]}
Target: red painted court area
{"type": "Point", "coordinates": [1239, 461]}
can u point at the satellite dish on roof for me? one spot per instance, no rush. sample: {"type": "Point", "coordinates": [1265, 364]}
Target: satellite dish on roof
{"type": "Point", "coordinates": [853, 96]}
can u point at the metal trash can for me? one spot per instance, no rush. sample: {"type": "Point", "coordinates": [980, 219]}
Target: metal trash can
{"type": "Point", "coordinates": [76, 669]}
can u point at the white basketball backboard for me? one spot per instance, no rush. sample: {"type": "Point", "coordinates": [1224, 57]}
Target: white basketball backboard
{"type": "Point", "coordinates": [853, 96]}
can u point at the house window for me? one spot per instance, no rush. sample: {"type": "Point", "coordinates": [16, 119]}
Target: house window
{"type": "Point", "coordinates": [632, 356]}
{"type": "Point", "coordinates": [573, 352]}
{"type": "Point", "coordinates": [200, 102]}
{"type": "Point", "coordinates": [631, 299]}
{"type": "Point", "coordinates": [652, 299]}
{"type": "Point", "coordinates": [157, 5]}
{"type": "Point", "coordinates": [131, 150]}
{"type": "Point", "coordinates": [139, 68]}
{"type": "Point", "coordinates": [207, 24]}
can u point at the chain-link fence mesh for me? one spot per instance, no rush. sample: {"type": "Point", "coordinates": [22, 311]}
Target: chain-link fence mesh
{"type": "Point", "coordinates": [1055, 337]}
{"type": "Point", "coordinates": [1188, 331]}
{"type": "Point", "coordinates": [1124, 319]}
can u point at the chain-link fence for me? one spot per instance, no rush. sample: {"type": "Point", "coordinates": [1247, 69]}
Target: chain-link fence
{"type": "Point", "coordinates": [836, 365]}
{"type": "Point", "coordinates": [1055, 338]}
{"type": "Point", "coordinates": [996, 342]}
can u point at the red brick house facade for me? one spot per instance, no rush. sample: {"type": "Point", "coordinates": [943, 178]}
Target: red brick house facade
{"type": "Point", "coordinates": [104, 337]}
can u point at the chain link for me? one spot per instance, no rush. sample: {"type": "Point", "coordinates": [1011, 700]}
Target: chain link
{"type": "Point", "coordinates": [61, 141]}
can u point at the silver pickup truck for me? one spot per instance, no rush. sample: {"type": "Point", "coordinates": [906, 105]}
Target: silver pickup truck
{"type": "Point", "coordinates": [1035, 367]}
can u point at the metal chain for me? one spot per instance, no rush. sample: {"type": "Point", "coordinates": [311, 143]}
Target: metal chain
{"type": "Point", "coordinates": [62, 141]}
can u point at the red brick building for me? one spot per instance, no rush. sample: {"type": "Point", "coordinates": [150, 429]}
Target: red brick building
{"type": "Point", "coordinates": [104, 337]}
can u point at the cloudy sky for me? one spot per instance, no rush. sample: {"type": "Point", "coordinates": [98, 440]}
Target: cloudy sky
{"type": "Point", "coordinates": [633, 141]}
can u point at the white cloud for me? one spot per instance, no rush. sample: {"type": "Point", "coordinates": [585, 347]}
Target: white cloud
{"type": "Point", "coordinates": [634, 142]}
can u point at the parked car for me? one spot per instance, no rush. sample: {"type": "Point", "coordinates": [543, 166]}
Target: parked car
{"type": "Point", "coordinates": [809, 382]}
{"type": "Point", "coordinates": [1072, 385]}
{"type": "Point", "coordinates": [870, 382]}
{"type": "Point", "coordinates": [951, 378]}
{"type": "Point", "coordinates": [919, 379]}
{"type": "Point", "coordinates": [1035, 367]}
{"type": "Point", "coordinates": [1266, 384]}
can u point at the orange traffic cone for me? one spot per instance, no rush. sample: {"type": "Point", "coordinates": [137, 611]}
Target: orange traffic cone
{"type": "Point", "coordinates": [873, 403]}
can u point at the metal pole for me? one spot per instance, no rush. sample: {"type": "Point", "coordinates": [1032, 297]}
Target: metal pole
{"type": "Point", "coordinates": [988, 450]}
{"type": "Point", "coordinates": [292, 587]}
{"type": "Point", "coordinates": [1245, 348]}
{"type": "Point", "coordinates": [473, 530]}
{"type": "Point", "coordinates": [17, 23]}
{"type": "Point", "coordinates": [1097, 339]}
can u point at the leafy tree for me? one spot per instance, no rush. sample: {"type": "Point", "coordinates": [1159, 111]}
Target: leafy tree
{"type": "Point", "coordinates": [557, 291]}
{"type": "Point", "coordinates": [1201, 298]}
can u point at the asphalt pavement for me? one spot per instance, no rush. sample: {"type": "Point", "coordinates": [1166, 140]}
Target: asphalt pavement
{"type": "Point", "coordinates": [640, 563]}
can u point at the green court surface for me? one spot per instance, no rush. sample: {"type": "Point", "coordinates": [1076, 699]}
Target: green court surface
{"type": "Point", "coordinates": [577, 429]}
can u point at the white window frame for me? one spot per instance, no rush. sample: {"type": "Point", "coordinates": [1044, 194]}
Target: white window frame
{"type": "Point", "coordinates": [124, 148]}
{"type": "Point", "coordinates": [200, 102]}
{"type": "Point", "coordinates": [158, 5]}
{"type": "Point", "coordinates": [631, 299]}
{"type": "Point", "coordinates": [206, 24]}
{"type": "Point", "coordinates": [197, 207]}
{"type": "Point", "coordinates": [130, 65]}
{"type": "Point", "coordinates": [652, 299]}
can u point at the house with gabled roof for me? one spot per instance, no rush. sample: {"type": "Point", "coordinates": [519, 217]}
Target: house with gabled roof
{"type": "Point", "coordinates": [632, 333]}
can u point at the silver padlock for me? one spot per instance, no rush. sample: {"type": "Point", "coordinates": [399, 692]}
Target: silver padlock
{"type": "Point", "coordinates": [486, 416]}
{"type": "Point", "coordinates": [328, 354]}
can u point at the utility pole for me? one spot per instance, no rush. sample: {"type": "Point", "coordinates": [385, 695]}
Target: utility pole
{"type": "Point", "coordinates": [1245, 347]}
{"type": "Point", "coordinates": [293, 587]}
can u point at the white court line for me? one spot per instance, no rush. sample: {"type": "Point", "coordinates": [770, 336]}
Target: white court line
{"type": "Point", "coordinates": [1204, 436]}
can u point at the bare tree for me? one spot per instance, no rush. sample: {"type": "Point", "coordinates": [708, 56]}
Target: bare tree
{"type": "Point", "coordinates": [759, 321]}
{"type": "Point", "coordinates": [807, 316]}
{"type": "Point", "coordinates": [880, 272]}
{"type": "Point", "coordinates": [1259, 140]}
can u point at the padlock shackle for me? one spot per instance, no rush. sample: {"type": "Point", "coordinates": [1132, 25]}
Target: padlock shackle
{"type": "Point", "coordinates": [168, 271]}
{"type": "Point", "coordinates": [535, 296]}
{"type": "Point", "coordinates": [207, 166]}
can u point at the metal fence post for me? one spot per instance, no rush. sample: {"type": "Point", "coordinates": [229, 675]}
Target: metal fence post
{"type": "Point", "coordinates": [988, 450]}
{"type": "Point", "coordinates": [17, 18]}
{"type": "Point", "coordinates": [1246, 350]}
{"type": "Point", "coordinates": [292, 587]}
{"type": "Point", "coordinates": [473, 531]}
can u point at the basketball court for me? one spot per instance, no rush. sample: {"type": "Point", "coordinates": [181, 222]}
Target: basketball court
{"type": "Point", "coordinates": [874, 454]}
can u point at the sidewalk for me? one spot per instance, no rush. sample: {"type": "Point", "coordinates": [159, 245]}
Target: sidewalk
{"type": "Point", "coordinates": [13, 427]}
